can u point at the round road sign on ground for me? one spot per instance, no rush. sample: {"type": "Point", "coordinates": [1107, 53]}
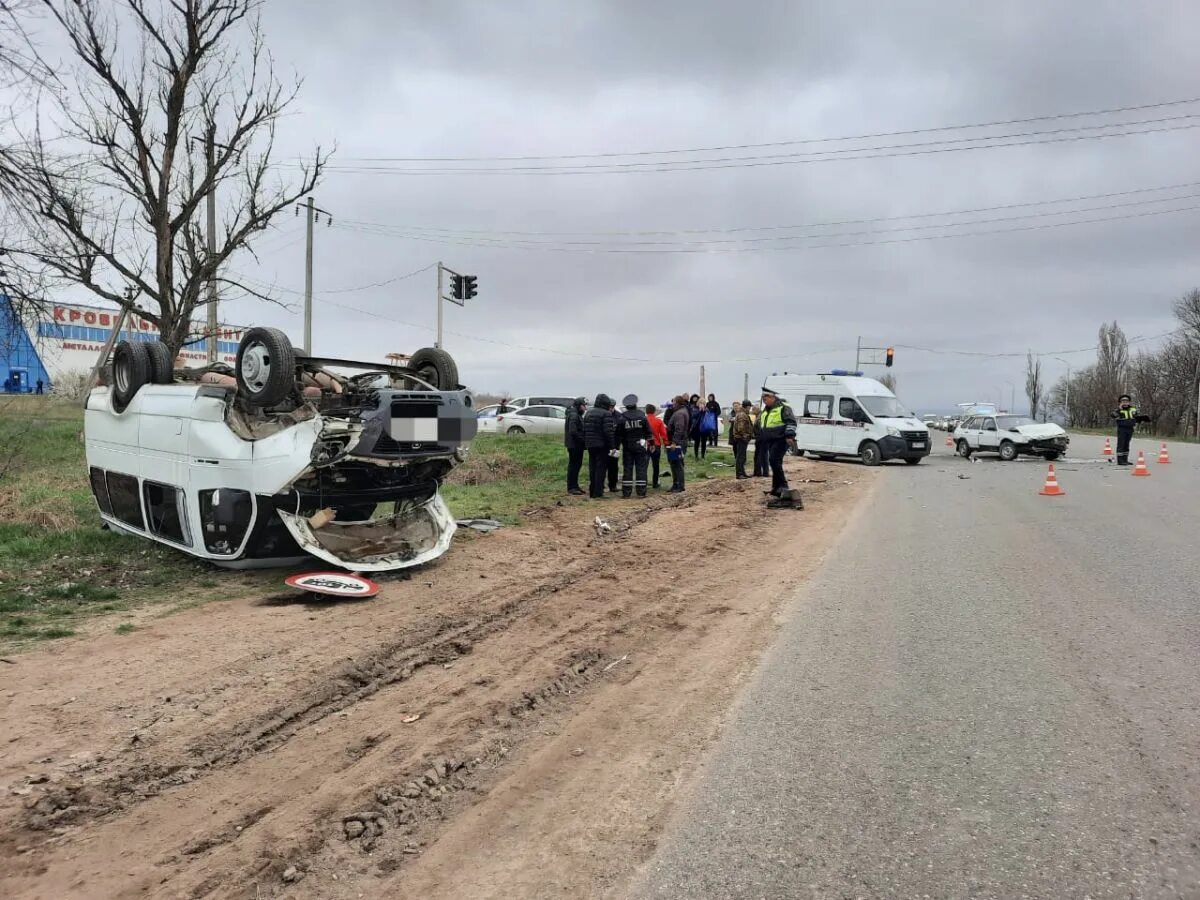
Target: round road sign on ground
{"type": "Point", "coordinates": [334, 584]}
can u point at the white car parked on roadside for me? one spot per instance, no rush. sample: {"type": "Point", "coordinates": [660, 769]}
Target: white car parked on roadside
{"type": "Point", "coordinates": [530, 420]}
{"type": "Point", "coordinates": [1010, 436]}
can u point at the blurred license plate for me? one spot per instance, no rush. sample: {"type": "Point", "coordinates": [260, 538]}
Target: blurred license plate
{"type": "Point", "coordinates": [918, 445]}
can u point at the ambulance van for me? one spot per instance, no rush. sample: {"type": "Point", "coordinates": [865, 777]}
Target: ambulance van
{"type": "Point", "coordinates": [842, 413]}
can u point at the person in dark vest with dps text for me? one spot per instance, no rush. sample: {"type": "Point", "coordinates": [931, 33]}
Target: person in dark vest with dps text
{"type": "Point", "coordinates": [633, 437]}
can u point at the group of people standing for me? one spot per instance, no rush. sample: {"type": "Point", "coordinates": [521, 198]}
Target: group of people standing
{"type": "Point", "coordinates": [628, 443]}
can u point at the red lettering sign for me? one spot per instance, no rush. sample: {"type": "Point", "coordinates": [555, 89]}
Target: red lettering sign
{"type": "Point", "coordinates": [74, 315]}
{"type": "Point", "coordinates": [105, 319]}
{"type": "Point", "coordinates": [89, 317]}
{"type": "Point", "coordinates": [58, 314]}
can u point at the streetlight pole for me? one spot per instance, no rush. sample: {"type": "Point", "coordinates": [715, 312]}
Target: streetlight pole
{"type": "Point", "coordinates": [1067, 389]}
{"type": "Point", "coordinates": [1012, 392]}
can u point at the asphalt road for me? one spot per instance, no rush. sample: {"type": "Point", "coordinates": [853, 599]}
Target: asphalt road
{"type": "Point", "coordinates": [981, 692]}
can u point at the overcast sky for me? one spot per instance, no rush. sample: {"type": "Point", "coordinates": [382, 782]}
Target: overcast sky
{"type": "Point", "coordinates": [462, 79]}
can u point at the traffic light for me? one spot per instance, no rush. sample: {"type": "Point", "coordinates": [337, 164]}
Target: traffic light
{"type": "Point", "coordinates": [468, 287]}
{"type": "Point", "coordinates": [456, 287]}
{"type": "Point", "coordinates": [891, 355]}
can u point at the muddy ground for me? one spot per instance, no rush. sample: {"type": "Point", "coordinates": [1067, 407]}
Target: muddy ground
{"type": "Point", "coordinates": [513, 721]}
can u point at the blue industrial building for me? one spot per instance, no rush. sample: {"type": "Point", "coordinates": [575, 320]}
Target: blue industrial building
{"type": "Point", "coordinates": [20, 363]}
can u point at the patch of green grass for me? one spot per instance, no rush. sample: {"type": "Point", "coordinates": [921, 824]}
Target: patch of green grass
{"type": "Point", "coordinates": [507, 476]}
{"type": "Point", "coordinates": [58, 567]}
{"type": "Point", "coordinates": [125, 628]}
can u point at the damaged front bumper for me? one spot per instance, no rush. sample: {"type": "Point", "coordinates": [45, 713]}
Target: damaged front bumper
{"type": "Point", "coordinates": [416, 532]}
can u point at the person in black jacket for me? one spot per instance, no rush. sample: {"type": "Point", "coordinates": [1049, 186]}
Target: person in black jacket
{"type": "Point", "coordinates": [777, 425]}
{"type": "Point", "coordinates": [599, 437]}
{"type": "Point", "coordinates": [695, 420]}
{"type": "Point", "coordinates": [573, 437]}
{"type": "Point", "coordinates": [633, 437]}
{"type": "Point", "coordinates": [677, 439]}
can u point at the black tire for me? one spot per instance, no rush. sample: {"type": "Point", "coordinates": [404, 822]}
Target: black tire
{"type": "Point", "coordinates": [1008, 451]}
{"type": "Point", "coordinates": [162, 366]}
{"type": "Point", "coordinates": [869, 453]}
{"type": "Point", "coordinates": [1052, 455]}
{"type": "Point", "coordinates": [131, 370]}
{"type": "Point", "coordinates": [913, 462]}
{"type": "Point", "coordinates": [436, 367]}
{"type": "Point", "coordinates": [266, 367]}
{"type": "Point", "coordinates": [963, 449]}
{"type": "Point", "coordinates": [516, 429]}
{"type": "Point", "coordinates": [826, 457]}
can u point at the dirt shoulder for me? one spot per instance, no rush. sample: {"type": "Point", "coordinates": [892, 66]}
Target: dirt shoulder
{"type": "Point", "coordinates": [512, 721]}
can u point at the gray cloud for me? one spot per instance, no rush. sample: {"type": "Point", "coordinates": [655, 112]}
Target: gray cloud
{"type": "Point", "coordinates": [463, 79]}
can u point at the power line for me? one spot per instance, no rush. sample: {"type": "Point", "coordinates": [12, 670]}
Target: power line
{"type": "Point", "coordinates": [467, 232]}
{"type": "Point", "coordinates": [738, 360]}
{"type": "Point", "coordinates": [888, 152]}
{"type": "Point", "coordinates": [347, 290]}
{"type": "Point", "coordinates": [788, 143]}
{"type": "Point", "coordinates": [759, 249]}
{"type": "Point", "coordinates": [1021, 355]}
{"type": "Point", "coordinates": [793, 237]}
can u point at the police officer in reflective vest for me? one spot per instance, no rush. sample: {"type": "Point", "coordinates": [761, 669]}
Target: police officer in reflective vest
{"type": "Point", "coordinates": [777, 429]}
{"type": "Point", "coordinates": [1127, 419]}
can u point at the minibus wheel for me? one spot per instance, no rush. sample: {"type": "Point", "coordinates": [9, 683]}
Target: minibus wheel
{"type": "Point", "coordinates": [131, 370]}
{"type": "Point", "coordinates": [162, 366]}
{"type": "Point", "coordinates": [437, 367]}
{"type": "Point", "coordinates": [266, 367]}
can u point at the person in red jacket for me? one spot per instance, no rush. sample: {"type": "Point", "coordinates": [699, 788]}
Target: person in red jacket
{"type": "Point", "coordinates": [658, 440]}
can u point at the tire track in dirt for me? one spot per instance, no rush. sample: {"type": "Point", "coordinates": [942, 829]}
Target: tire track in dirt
{"type": "Point", "coordinates": [331, 775]}
{"type": "Point", "coordinates": [438, 643]}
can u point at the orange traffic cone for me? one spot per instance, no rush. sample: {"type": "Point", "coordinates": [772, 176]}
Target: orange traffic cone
{"type": "Point", "coordinates": [1108, 451]}
{"type": "Point", "coordinates": [1140, 468]}
{"type": "Point", "coordinates": [1051, 488]}
{"type": "Point", "coordinates": [1163, 458]}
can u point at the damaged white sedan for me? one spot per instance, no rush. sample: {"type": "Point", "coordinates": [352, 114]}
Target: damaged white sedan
{"type": "Point", "coordinates": [281, 456]}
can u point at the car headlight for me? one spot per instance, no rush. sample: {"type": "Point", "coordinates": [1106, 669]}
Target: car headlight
{"type": "Point", "coordinates": [894, 432]}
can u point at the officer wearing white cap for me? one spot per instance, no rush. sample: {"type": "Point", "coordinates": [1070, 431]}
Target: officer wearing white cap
{"type": "Point", "coordinates": [777, 428]}
{"type": "Point", "coordinates": [633, 437]}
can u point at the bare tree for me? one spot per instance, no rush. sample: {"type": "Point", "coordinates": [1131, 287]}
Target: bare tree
{"type": "Point", "coordinates": [1187, 311]}
{"type": "Point", "coordinates": [1112, 362]}
{"type": "Point", "coordinates": [22, 74]}
{"type": "Point", "coordinates": [888, 380]}
{"type": "Point", "coordinates": [1034, 386]}
{"type": "Point", "coordinates": [112, 201]}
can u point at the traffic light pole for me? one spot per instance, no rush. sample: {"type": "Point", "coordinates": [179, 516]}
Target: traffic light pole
{"type": "Point", "coordinates": [438, 342]}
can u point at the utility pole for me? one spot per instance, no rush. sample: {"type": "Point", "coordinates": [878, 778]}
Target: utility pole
{"type": "Point", "coordinates": [857, 352]}
{"type": "Point", "coordinates": [308, 259]}
{"type": "Point", "coordinates": [1066, 389]}
{"type": "Point", "coordinates": [210, 156]}
{"type": "Point", "coordinates": [745, 385]}
{"type": "Point", "coordinates": [702, 394]}
{"type": "Point", "coordinates": [438, 342]}
{"type": "Point", "coordinates": [313, 213]}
